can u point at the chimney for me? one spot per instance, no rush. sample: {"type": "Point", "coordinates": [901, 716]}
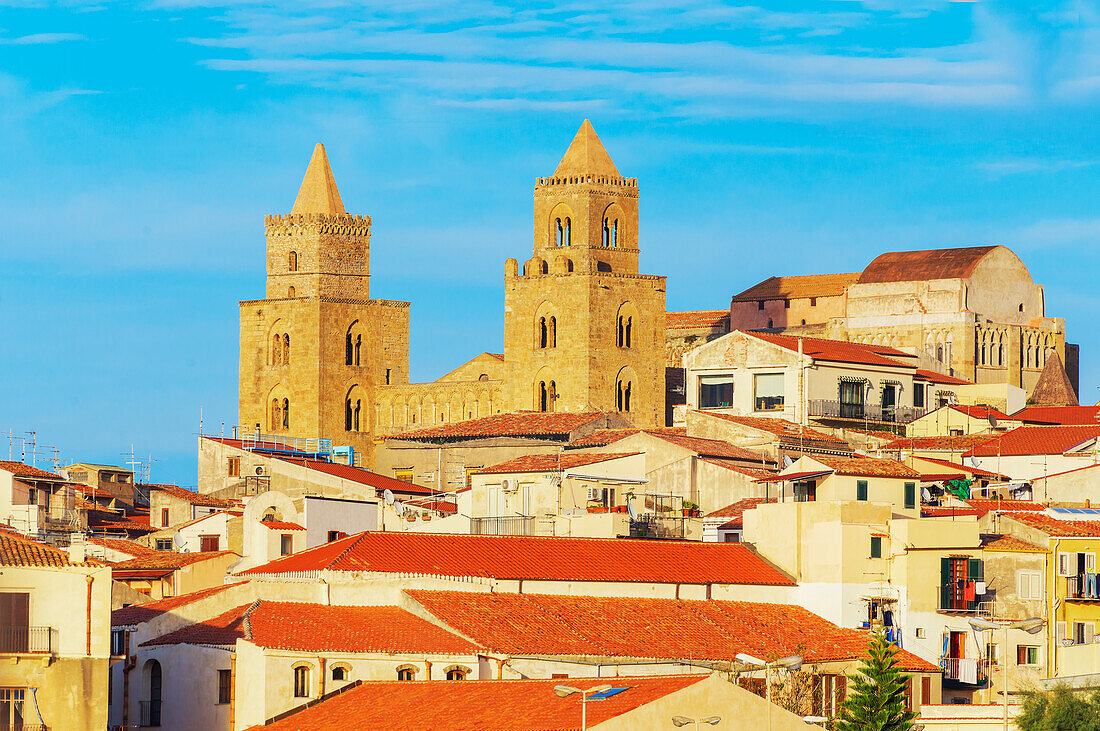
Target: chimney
{"type": "Point", "coordinates": [78, 549]}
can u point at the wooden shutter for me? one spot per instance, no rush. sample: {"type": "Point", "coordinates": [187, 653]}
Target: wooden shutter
{"type": "Point", "coordinates": [1066, 567]}
{"type": "Point", "coordinates": [841, 688]}
{"type": "Point", "coordinates": [1090, 632]}
{"type": "Point", "coordinates": [1059, 631]}
{"type": "Point", "coordinates": [909, 693]}
{"type": "Point", "coordinates": [946, 584]}
{"type": "Point", "coordinates": [910, 495]}
{"type": "Point", "coordinates": [15, 609]}
{"type": "Point", "coordinates": [925, 690]}
{"type": "Point", "coordinates": [975, 569]}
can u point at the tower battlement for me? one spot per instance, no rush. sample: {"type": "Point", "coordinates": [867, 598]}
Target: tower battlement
{"type": "Point", "coordinates": [345, 224]}
{"type": "Point", "coordinates": [587, 180]}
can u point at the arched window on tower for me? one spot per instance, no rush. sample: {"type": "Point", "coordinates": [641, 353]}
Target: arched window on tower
{"type": "Point", "coordinates": [622, 395]}
{"type": "Point", "coordinates": [615, 234]}
{"type": "Point", "coordinates": [603, 266]}
{"type": "Point", "coordinates": [568, 232]}
{"type": "Point", "coordinates": [276, 349]}
{"type": "Point", "coordinates": [286, 348]}
{"type": "Point", "coordinates": [291, 292]}
{"type": "Point", "coordinates": [568, 265]}
{"type": "Point", "coordinates": [352, 408]}
{"type": "Point", "coordinates": [292, 261]}
{"type": "Point", "coordinates": [349, 349]}
{"type": "Point", "coordinates": [606, 234]}
{"type": "Point", "coordinates": [545, 267]}
{"type": "Point", "coordinates": [276, 415]}
{"type": "Point", "coordinates": [543, 396]}
{"type": "Point", "coordinates": [560, 241]}
{"type": "Point", "coordinates": [552, 396]}
{"type": "Point", "coordinates": [358, 347]}
{"type": "Point", "coordinates": [552, 335]}
{"type": "Point", "coordinates": [543, 334]}
{"type": "Point", "coordinates": [286, 413]}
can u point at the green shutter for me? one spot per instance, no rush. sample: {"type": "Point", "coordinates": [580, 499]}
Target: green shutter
{"type": "Point", "coordinates": [975, 569]}
{"type": "Point", "coordinates": [910, 495]}
{"type": "Point", "coordinates": [861, 489]}
{"type": "Point", "coordinates": [945, 581]}
{"type": "Point", "coordinates": [876, 547]}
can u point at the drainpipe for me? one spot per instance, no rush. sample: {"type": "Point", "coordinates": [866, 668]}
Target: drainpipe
{"type": "Point", "coordinates": [89, 579]}
{"type": "Point", "coordinates": [500, 668]}
{"type": "Point", "coordinates": [427, 670]}
{"type": "Point", "coordinates": [232, 690]}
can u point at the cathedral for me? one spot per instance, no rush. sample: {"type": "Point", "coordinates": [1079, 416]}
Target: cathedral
{"type": "Point", "coordinates": [584, 330]}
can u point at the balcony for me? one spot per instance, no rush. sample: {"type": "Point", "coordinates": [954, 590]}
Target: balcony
{"type": "Point", "coordinates": [826, 409]}
{"type": "Point", "coordinates": [964, 671]}
{"type": "Point", "coordinates": [953, 601]}
{"type": "Point", "coordinates": [149, 712]}
{"type": "Point", "coordinates": [504, 525]}
{"type": "Point", "coordinates": [20, 640]}
{"type": "Point", "coordinates": [1080, 589]}
{"type": "Point", "coordinates": [659, 526]}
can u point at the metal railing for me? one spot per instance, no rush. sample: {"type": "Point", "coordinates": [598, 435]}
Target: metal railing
{"type": "Point", "coordinates": [863, 412]}
{"type": "Point", "coordinates": [504, 525]}
{"type": "Point", "coordinates": [655, 526]}
{"type": "Point", "coordinates": [1079, 587]}
{"type": "Point", "coordinates": [149, 713]}
{"type": "Point", "coordinates": [953, 600]}
{"type": "Point", "coordinates": [28, 639]}
{"type": "Point", "coordinates": [280, 443]}
{"type": "Point", "coordinates": [966, 670]}
{"type": "Point", "coordinates": [256, 484]}
{"type": "Point", "coordinates": [4, 726]}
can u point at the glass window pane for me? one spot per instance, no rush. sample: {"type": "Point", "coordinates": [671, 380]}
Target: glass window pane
{"type": "Point", "coordinates": [768, 391]}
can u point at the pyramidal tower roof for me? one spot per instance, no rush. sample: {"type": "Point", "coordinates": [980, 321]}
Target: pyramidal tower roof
{"type": "Point", "coordinates": [586, 156]}
{"type": "Point", "coordinates": [1053, 387]}
{"type": "Point", "coordinates": [318, 193]}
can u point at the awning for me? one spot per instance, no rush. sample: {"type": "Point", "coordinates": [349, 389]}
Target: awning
{"type": "Point", "coordinates": [796, 476]}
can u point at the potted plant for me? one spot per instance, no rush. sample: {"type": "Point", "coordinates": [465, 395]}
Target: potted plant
{"type": "Point", "coordinates": [689, 508]}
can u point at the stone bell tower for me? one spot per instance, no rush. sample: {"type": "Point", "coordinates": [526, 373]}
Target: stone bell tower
{"type": "Point", "coordinates": [583, 330]}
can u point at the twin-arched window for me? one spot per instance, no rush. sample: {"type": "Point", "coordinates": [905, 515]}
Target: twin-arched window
{"type": "Point", "coordinates": [611, 233]}
{"type": "Point", "coordinates": [547, 335]}
{"type": "Point", "coordinates": [352, 406]}
{"type": "Point", "coordinates": [564, 228]}
{"type": "Point", "coordinates": [622, 394]}
{"type": "Point", "coordinates": [622, 331]}
{"type": "Point", "coordinates": [280, 349]}
{"type": "Point", "coordinates": [353, 343]}
{"type": "Point", "coordinates": [280, 414]}
{"type": "Point", "coordinates": [547, 394]}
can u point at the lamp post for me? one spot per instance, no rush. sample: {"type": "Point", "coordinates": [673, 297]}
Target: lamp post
{"type": "Point", "coordinates": [563, 691]}
{"type": "Point", "coordinates": [1031, 625]}
{"type": "Point", "coordinates": [791, 662]}
{"type": "Point", "coordinates": [679, 721]}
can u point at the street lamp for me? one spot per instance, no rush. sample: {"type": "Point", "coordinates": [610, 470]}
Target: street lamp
{"type": "Point", "coordinates": [567, 690]}
{"type": "Point", "coordinates": [1031, 625]}
{"type": "Point", "coordinates": [791, 662]}
{"type": "Point", "coordinates": [679, 721]}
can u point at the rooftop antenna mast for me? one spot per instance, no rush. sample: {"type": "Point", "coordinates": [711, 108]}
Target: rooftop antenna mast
{"type": "Point", "coordinates": [31, 440]}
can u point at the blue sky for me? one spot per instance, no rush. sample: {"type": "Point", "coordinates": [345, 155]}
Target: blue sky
{"type": "Point", "coordinates": [143, 142]}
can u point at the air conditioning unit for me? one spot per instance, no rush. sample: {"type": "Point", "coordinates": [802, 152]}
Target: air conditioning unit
{"type": "Point", "coordinates": [260, 470]}
{"type": "Point", "coordinates": [509, 485]}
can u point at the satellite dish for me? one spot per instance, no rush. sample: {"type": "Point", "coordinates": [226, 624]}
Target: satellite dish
{"type": "Point", "coordinates": [632, 511]}
{"type": "Point", "coordinates": [388, 496]}
{"type": "Point", "coordinates": [787, 461]}
{"type": "Point", "coordinates": [992, 420]}
{"type": "Point", "coordinates": [399, 508]}
{"type": "Point", "coordinates": [185, 549]}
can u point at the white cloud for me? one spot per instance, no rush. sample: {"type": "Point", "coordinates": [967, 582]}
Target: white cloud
{"type": "Point", "coordinates": [38, 39]}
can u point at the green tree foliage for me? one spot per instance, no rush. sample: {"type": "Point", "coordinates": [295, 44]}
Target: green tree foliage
{"type": "Point", "coordinates": [876, 699]}
{"type": "Point", "coordinates": [1060, 710]}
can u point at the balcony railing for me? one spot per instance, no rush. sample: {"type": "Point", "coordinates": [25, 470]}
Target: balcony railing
{"type": "Point", "coordinates": [1080, 588]}
{"type": "Point", "coordinates": [864, 412]}
{"type": "Point", "coordinates": [28, 639]}
{"type": "Point", "coordinates": [965, 670]}
{"type": "Point", "coordinates": [654, 526]}
{"type": "Point", "coordinates": [953, 600]}
{"type": "Point", "coordinates": [505, 525]}
{"type": "Point", "coordinates": [256, 484]}
{"type": "Point", "coordinates": [149, 712]}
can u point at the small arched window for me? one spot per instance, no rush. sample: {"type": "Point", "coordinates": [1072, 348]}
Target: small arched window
{"type": "Point", "coordinates": [352, 407]}
{"type": "Point", "coordinates": [561, 233]}
{"type": "Point", "coordinates": [606, 234]}
{"type": "Point", "coordinates": [939, 349]}
{"type": "Point", "coordinates": [552, 333]}
{"type": "Point", "coordinates": [543, 333]}
{"type": "Point", "coordinates": [276, 414]}
{"type": "Point", "coordinates": [545, 268]}
{"type": "Point", "coordinates": [406, 674]}
{"type": "Point", "coordinates": [603, 266]}
{"type": "Point", "coordinates": [771, 323]}
{"type": "Point", "coordinates": [552, 395]}
{"type": "Point", "coordinates": [286, 413]}
{"type": "Point", "coordinates": [456, 674]}
{"type": "Point", "coordinates": [276, 349]}
{"type": "Point", "coordinates": [615, 234]}
{"type": "Point", "coordinates": [286, 348]}
{"type": "Point", "coordinates": [568, 232]}
{"type": "Point", "coordinates": [291, 292]}
{"type": "Point", "coordinates": [292, 261]}
{"type": "Point", "coordinates": [301, 682]}
{"type": "Point", "coordinates": [568, 265]}
{"type": "Point", "coordinates": [339, 672]}
{"type": "Point", "coordinates": [622, 395]}
{"type": "Point", "coordinates": [543, 397]}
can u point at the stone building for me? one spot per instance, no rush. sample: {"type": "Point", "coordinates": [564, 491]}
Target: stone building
{"type": "Point", "coordinates": [583, 330]}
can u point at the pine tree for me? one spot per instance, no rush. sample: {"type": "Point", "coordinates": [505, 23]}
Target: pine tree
{"type": "Point", "coordinates": [877, 701]}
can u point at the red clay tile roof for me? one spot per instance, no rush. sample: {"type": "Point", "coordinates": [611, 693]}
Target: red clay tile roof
{"type": "Point", "coordinates": [980, 412]}
{"type": "Point", "coordinates": [363, 477]}
{"type": "Point", "coordinates": [837, 351]}
{"type": "Point", "coordinates": [1008, 543]}
{"type": "Point", "coordinates": [798, 287]}
{"type": "Point", "coordinates": [539, 624]}
{"type": "Point", "coordinates": [440, 504]}
{"type": "Point", "coordinates": [735, 511]}
{"type": "Point", "coordinates": [281, 525]}
{"type": "Point", "coordinates": [1058, 415]}
{"type": "Point", "coordinates": [517, 424]}
{"type": "Point", "coordinates": [986, 505]}
{"type": "Point", "coordinates": [552, 462]}
{"type": "Point", "coordinates": [322, 628]}
{"type": "Point", "coordinates": [1025, 440]}
{"type": "Point", "coordinates": [959, 443]}
{"type": "Point", "coordinates": [107, 521]}
{"type": "Point", "coordinates": [888, 436]}
{"type": "Point", "coordinates": [867, 467]}
{"type": "Point", "coordinates": [16, 550]}
{"type": "Point", "coordinates": [522, 705]}
{"type": "Point", "coordinates": [736, 466]}
{"type": "Point", "coordinates": [918, 266]}
{"type": "Point", "coordinates": [168, 560]}
{"type": "Point", "coordinates": [1059, 528]}
{"type": "Point", "coordinates": [531, 557]}
{"type": "Point", "coordinates": [195, 498]}
{"type": "Point", "coordinates": [122, 546]}
{"type": "Point", "coordinates": [697, 319]}
{"type": "Point", "coordinates": [674, 435]}
{"type": "Point", "coordinates": [787, 431]}
{"type": "Point", "coordinates": [603, 437]}
{"type": "Point", "coordinates": [943, 378]}
{"type": "Point", "coordinates": [25, 470]}
{"type": "Point", "coordinates": [139, 613]}
{"type": "Point", "coordinates": [948, 511]}
{"type": "Point", "coordinates": [966, 469]}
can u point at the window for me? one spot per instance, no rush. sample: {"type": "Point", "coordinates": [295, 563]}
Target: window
{"type": "Point", "coordinates": [1027, 654]}
{"type": "Point", "coordinates": [292, 261]}
{"type": "Point", "coordinates": [602, 266]}
{"type": "Point", "coordinates": [715, 392]}
{"type": "Point", "coordinates": [622, 395]}
{"type": "Point", "coordinates": [786, 304]}
{"type": "Point", "coordinates": [959, 576]}
{"type": "Point", "coordinates": [286, 413]}
{"type": "Point", "coordinates": [339, 673]}
{"type": "Point", "coordinates": [606, 233]}
{"type": "Point", "coordinates": [767, 391]}
{"type": "Point", "coordinates": [1084, 633]}
{"type": "Point", "coordinates": [544, 335]}
{"type": "Point", "coordinates": [291, 292]}
{"type": "Point", "coordinates": [208, 543]}
{"type": "Point", "coordinates": [805, 492]}
{"type": "Point", "coordinates": [286, 348]}
{"type": "Point", "coordinates": [406, 674]}
{"type": "Point", "coordinates": [851, 399]}
{"type": "Point", "coordinates": [353, 343]}
{"type": "Point", "coordinates": [568, 232]}
{"type": "Point", "coordinates": [861, 490]}
{"type": "Point", "coordinates": [301, 682]}
{"type": "Point", "coordinates": [568, 265]}
{"type": "Point", "coordinates": [910, 495]}
{"type": "Point", "coordinates": [286, 544]}
{"type": "Point", "coordinates": [813, 302]}
{"type": "Point", "coordinates": [12, 708]}
{"type": "Point", "coordinates": [1029, 584]}
{"type": "Point", "coordinates": [553, 334]}
{"type": "Point", "coordinates": [545, 268]}
{"type": "Point", "coordinates": [387, 376]}
{"type": "Point", "coordinates": [234, 466]}
{"type": "Point", "coordinates": [352, 407]}
{"type": "Point", "coordinates": [561, 232]}
{"type": "Point", "coordinates": [335, 535]}
{"type": "Point", "coordinates": [225, 686]}
{"type": "Point", "coordinates": [164, 544]}
{"type": "Point", "coordinates": [622, 330]}
{"type": "Point", "coordinates": [164, 517]}
{"type": "Point", "coordinates": [918, 395]}
{"type": "Point", "coordinates": [118, 642]}
{"type": "Point", "coordinates": [876, 546]}
{"type": "Point", "coordinates": [405, 474]}
{"type": "Point", "coordinates": [456, 674]}
{"type": "Point", "coordinates": [760, 305]}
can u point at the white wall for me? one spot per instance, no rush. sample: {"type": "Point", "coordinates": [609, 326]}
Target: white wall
{"type": "Point", "coordinates": [324, 514]}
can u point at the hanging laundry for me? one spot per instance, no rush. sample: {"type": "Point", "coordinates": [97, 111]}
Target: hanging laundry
{"type": "Point", "coordinates": [968, 591]}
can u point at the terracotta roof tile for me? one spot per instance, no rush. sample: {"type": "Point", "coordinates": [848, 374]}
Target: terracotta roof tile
{"type": "Point", "coordinates": [737, 466]}
{"type": "Point", "coordinates": [322, 628]}
{"type": "Point", "coordinates": [917, 266]}
{"type": "Point", "coordinates": [534, 557]}
{"type": "Point", "coordinates": [980, 412]}
{"type": "Point", "coordinates": [553, 462]}
{"type": "Point", "coordinates": [603, 437]}
{"type": "Point", "coordinates": [798, 287]}
{"type": "Point", "coordinates": [1025, 440]}
{"type": "Point", "coordinates": [942, 378]}
{"type": "Point", "coordinates": [735, 511]}
{"type": "Point", "coordinates": [195, 498]}
{"type": "Point", "coordinates": [517, 424]}
{"type": "Point", "coordinates": [1059, 415]}
{"type": "Point", "coordinates": [528, 705]}
{"type": "Point", "coordinates": [281, 525]}
{"type": "Point", "coordinates": [838, 351]}
{"type": "Point", "coordinates": [140, 613]}
{"type": "Point", "coordinates": [674, 435]}
{"type": "Point", "coordinates": [16, 550]}
{"type": "Point", "coordinates": [122, 546]}
{"type": "Point", "coordinates": [539, 624]}
{"type": "Point", "coordinates": [787, 431]}
{"type": "Point", "coordinates": [867, 467]}
{"type": "Point", "coordinates": [1008, 543]}
{"type": "Point", "coordinates": [948, 511]}
{"type": "Point", "coordinates": [357, 474]}
{"type": "Point", "coordinates": [986, 505]}
{"type": "Point", "coordinates": [965, 469]}
{"type": "Point", "coordinates": [25, 470]}
{"type": "Point", "coordinates": [168, 560]}
{"type": "Point", "coordinates": [959, 443]}
{"type": "Point", "coordinates": [697, 319]}
{"type": "Point", "coordinates": [1059, 528]}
